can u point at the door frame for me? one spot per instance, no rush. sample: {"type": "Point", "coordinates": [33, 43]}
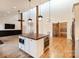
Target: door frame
{"type": "Point", "coordinates": [73, 32]}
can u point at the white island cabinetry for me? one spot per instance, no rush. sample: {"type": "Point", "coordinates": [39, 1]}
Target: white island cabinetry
{"type": "Point", "coordinates": [33, 47]}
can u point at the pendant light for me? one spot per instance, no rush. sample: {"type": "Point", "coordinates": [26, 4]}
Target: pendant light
{"type": "Point", "coordinates": [40, 16]}
{"type": "Point", "coordinates": [29, 20]}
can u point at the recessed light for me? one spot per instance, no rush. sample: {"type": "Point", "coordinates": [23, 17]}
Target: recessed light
{"type": "Point", "coordinates": [8, 12]}
{"type": "Point", "coordinates": [14, 7]}
{"type": "Point", "coordinates": [4, 15]}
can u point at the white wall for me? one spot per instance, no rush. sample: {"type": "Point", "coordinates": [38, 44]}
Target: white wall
{"type": "Point", "coordinates": [76, 1]}
{"type": "Point", "coordinates": [25, 17]}
{"type": "Point", "coordinates": [60, 10]}
{"type": "Point", "coordinates": [76, 13]}
{"type": "Point", "coordinates": [9, 20]}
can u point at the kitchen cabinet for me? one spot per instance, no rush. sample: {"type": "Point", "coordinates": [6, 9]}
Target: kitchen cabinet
{"type": "Point", "coordinates": [34, 47]}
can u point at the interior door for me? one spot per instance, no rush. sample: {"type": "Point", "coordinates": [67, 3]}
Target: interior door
{"type": "Point", "coordinates": [60, 30]}
{"type": "Point", "coordinates": [55, 30]}
{"type": "Point", "coordinates": [63, 29]}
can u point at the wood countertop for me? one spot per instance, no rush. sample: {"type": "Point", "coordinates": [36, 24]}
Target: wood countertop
{"type": "Point", "coordinates": [34, 36]}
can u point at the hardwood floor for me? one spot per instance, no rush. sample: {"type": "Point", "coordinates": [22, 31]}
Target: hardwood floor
{"type": "Point", "coordinates": [59, 47]}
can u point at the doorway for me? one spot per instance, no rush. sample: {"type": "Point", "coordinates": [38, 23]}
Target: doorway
{"type": "Point", "coordinates": [60, 45]}
{"type": "Point", "coordinates": [59, 30]}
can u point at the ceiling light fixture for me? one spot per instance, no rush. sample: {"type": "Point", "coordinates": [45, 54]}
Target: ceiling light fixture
{"type": "Point", "coordinates": [14, 7]}
{"type": "Point", "coordinates": [40, 16]}
{"type": "Point", "coordinates": [29, 20]}
{"type": "Point", "coordinates": [8, 12]}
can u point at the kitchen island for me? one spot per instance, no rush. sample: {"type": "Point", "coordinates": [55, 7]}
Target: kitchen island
{"type": "Point", "coordinates": [33, 44]}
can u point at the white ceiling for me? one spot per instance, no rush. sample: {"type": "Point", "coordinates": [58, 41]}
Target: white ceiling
{"type": "Point", "coordinates": [10, 7]}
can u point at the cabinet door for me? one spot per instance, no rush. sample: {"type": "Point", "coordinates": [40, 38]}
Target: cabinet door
{"type": "Point", "coordinates": [33, 48]}
{"type": "Point", "coordinates": [27, 45]}
{"type": "Point", "coordinates": [36, 47]}
{"type": "Point", "coordinates": [21, 46]}
{"type": "Point", "coordinates": [21, 42]}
